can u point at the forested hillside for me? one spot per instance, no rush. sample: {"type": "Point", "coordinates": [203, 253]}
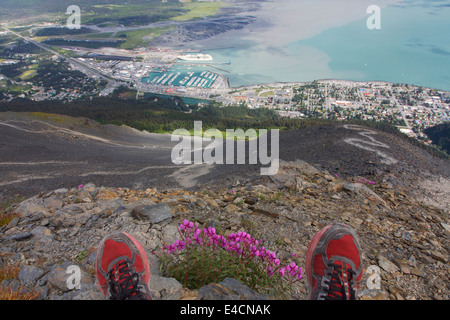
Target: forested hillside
{"type": "Point", "coordinates": [440, 135]}
{"type": "Point", "coordinates": [164, 115]}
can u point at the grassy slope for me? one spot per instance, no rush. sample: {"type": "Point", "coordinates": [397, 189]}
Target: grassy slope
{"type": "Point", "coordinates": [199, 10]}
{"type": "Point", "coordinates": [138, 37]}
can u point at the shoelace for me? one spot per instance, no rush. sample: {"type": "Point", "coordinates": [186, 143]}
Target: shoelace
{"type": "Point", "coordinates": [340, 284]}
{"type": "Point", "coordinates": [123, 282]}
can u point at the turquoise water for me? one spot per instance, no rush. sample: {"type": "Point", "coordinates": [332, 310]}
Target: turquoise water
{"type": "Point", "coordinates": [412, 46]}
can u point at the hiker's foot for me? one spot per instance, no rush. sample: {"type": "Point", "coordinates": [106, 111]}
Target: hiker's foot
{"type": "Point", "coordinates": [122, 268]}
{"type": "Point", "coordinates": [333, 263]}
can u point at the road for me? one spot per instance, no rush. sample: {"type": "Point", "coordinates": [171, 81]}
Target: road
{"type": "Point", "coordinates": [84, 66]}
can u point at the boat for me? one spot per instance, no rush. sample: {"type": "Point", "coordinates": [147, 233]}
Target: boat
{"type": "Point", "coordinates": [196, 57]}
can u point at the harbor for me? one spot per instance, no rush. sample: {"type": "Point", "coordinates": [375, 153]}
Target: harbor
{"type": "Point", "coordinates": [188, 71]}
{"type": "Point", "coordinates": [179, 77]}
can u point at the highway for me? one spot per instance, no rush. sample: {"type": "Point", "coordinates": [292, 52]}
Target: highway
{"type": "Point", "coordinates": [87, 68]}
{"type": "Point", "coordinates": [112, 82]}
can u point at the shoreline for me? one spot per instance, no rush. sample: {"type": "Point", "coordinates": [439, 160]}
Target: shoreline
{"type": "Point", "coordinates": [269, 37]}
{"type": "Point", "coordinates": [355, 82]}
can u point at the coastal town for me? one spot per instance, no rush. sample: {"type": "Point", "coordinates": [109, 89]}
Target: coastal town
{"type": "Point", "coordinates": [77, 73]}
{"type": "Point", "coordinates": [278, 120]}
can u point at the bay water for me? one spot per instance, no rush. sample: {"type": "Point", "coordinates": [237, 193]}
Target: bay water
{"type": "Point", "coordinates": [412, 46]}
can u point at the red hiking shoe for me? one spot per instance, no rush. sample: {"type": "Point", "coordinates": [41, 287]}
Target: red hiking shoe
{"type": "Point", "coordinates": [333, 263]}
{"type": "Point", "coordinates": [122, 268]}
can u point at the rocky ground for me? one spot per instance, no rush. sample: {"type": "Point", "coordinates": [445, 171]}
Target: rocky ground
{"type": "Point", "coordinates": [394, 194]}
{"type": "Point", "coordinates": [404, 238]}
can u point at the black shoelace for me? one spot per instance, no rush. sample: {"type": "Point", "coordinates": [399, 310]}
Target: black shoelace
{"type": "Point", "coordinates": [124, 283]}
{"type": "Point", "coordinates": [340, 285]}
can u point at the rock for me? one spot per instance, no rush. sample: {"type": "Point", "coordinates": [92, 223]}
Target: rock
{"type": "Point", "coordinates": [353, 187]}
{"type": "Point", "coordinates": [445, 226]}
{"type": "Point", "coordinates": [403, 265]}
{"type": "Point", "coordinates": [228, 198]}
{"type": "Point", "coordinates": [231, 208]}
{"type": "Point", "coordinates": [170, 234]}
{"type": "Point", "coordinates": [406, 236]}
{"type": "Point", "coordinates": [266, 210]}
{"type": "Point", "coordinates": [187, 294]}
{"type": "Point", "coordinates": [30, 206]}
{"type": "Point", "coordinates": [438, 256]}
{"type": "Point", "coordinates": [371, 294]}
{"type": "Point", "coordinates": [89, 292]}
{"type": "Point", "coordinates": [338, 187]}
{"type": "Point", "coordinates": [201, 203]}
{"type": "Point", "coordinates": [107, 194]}
{"type": "Point", "coordinates": [360, 188]}
{"type": "Point", "coordinates": [212, 203]}
{"type": "Point", "coordinates": [228, 289]}
{"type": "Point", "coordinates": [67, 276]}
{"type": "Point", "coordinates": [301, 167]}
{"type": "Point", "coordinates": [387, 265]}
{"type": "Point", "coordinates": [157, 213]}
{"type": "Point", "coordinates": [301, 183]}
{"type": "Point", "coordinates": [61, 191]}
{"type": "Point", "coordinates": [28, 275]}
{"type": "Point", "coordinates": [52, 203]}
{"type": "Point", "coordinates": [251, 200]}
{"type": "Point", "coordinates": [21, 236]}
{"type": "Point", "coordinates": [89, 185]}
{"type": "Point", "coordinates": [13, 222]}
{"type": "Point", "coordinates": [262, 189]}
{"type": "Point", "coordinates": [40, 232]}
{"type": "Point", "coordinates": [284, 180]}
{"type": "Point", "coordinates": [165, 288]}
{"type": "Point", "coordinates": [416, 272]}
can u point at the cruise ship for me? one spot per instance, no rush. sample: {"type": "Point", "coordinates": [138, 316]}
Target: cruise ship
{"type": "Point", "coordinates": [196, 57]}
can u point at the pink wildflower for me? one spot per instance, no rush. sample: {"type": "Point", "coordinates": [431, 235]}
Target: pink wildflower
{"type": "Point", "coordinates": [186, 225]}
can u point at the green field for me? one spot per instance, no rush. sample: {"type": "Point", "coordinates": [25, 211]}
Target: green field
{"type": "Point", "coordinates": [139, 37]}
{"type": "Point", "coordinates": [199, 10]}
{"type": "Point", "coordinates": [131, 14]}
{"type": "Point", "coordinates": [28, 74]}
{"type": "Point", "coordinates": [99, 35]}
{"type": "Point", "coordinates": [266, 94]}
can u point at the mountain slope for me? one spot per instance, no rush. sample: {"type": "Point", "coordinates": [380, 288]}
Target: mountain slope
{"type": "Point", "coordinates": [83, 180]}
{"type": "Point", "coordinates": [41, 152]}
